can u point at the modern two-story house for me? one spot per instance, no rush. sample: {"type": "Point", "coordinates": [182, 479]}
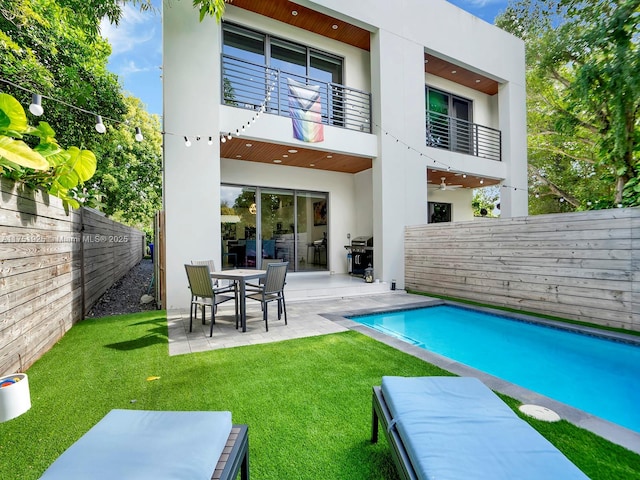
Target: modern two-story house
{"type": "Point", "coordinates": [294, 127]}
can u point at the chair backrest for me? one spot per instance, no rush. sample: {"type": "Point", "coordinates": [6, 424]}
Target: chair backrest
{"type": "Point", "coordinates": [212, 268]}
{"type": "Point", "coordinates": [199, 280]}
{"type": "Point", "coordinates": [276, 276]}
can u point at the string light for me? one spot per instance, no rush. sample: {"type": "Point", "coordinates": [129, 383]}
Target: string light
{"type": "Point", "coordinates": [187, 142]}
{"type": "Point", "coordinates": [37, 110]}
{"type": "Point", "coordinates": [100, 128]}
{"type": "Point", "coordinates": [36, 105]}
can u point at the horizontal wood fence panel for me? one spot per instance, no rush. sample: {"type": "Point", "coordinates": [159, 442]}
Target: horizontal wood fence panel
{"type": "Point", "coordinates": [54, 265]}
{"type": "Point", "coordinates": [581, 266]}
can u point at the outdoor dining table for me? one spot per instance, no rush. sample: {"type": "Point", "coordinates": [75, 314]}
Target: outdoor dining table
{"type": "Point", "coordinates": [241, 276]}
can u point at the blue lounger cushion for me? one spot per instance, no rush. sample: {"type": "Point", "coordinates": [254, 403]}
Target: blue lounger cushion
{"type": "Point", "coordinates": [142, 444]}
{"type": "Point", "coordinates": [456, 428]}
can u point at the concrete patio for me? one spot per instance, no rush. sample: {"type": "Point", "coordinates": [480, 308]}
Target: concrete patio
{"type": "Point", "coordinates": [309, 296]}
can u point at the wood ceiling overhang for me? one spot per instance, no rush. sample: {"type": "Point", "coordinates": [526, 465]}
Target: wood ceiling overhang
{"type": "Point", "coordinates": [240, 148]}
{"type": "Point", "coordinates": [434, 177]}
{"type": "Point", "coordinates": [309, 20]}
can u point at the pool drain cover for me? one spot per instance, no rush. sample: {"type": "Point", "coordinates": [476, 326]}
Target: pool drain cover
{"type": "Point", "coordinates": [540, 413]}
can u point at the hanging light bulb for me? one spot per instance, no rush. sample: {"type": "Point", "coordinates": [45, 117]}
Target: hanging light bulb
{"type": "Point", "coordinates": [36, 107]}
{"type": "Point", "coordinates": [229, 137]}
{"type": "Point", "coordinates": [187, 142]}
{"type": "Point", "coordinates": [223, 139]}
{"type": "Point", "coordinates": [482, 181]}
{"type": "Point", "coordinates": [210, 141]}
{"type": "Point", "coordinates": [139, 136]}
{"type": "Point", "coordinates": [100, 128]}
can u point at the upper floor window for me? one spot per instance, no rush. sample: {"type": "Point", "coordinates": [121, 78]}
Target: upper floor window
{"type": "Point", "coordinates": [290, 57]}
{"type": "Point", "coordinates": [449, 121]}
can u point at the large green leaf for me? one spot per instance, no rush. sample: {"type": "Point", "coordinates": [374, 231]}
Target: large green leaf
{"type": "Point", "coordinates": [12, 109]}
{"type": "Point", "coordinates": [83, 163]}
{"type": "Point", "coordinates": [19, 152]}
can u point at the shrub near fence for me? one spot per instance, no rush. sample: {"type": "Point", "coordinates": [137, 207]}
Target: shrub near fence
{"type": "Point", "coordinates": [54, 265]}
{"type": "Point", "coordinates": [581, 266]}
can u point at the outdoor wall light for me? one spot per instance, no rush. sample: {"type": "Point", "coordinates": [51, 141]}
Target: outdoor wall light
{"type": "Point", "coordinates": [100, 128]}
{"type": "Point", "coordinates": [36, 105]}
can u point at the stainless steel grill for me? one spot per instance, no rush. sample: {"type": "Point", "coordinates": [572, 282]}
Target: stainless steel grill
{"type": "Point", "coordinates": [361, 255]}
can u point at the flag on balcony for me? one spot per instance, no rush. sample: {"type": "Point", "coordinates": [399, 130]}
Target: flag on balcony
{"type": "Point", "coordinates": [305, 109]}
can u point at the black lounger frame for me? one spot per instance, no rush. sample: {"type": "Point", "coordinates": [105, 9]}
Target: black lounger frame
{"type": "Point", "coordinates": [235, 456]}
{"type": "Point", "coordinates": [380, 413]}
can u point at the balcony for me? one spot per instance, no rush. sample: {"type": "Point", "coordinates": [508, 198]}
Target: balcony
{"type": "Point", "coordinates": [461, 136]}
{"type": "Point", "coordinates": [250, 85]}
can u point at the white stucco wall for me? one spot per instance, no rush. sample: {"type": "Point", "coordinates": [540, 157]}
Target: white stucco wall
{"type": "Point", "coordinates": [191, 175]}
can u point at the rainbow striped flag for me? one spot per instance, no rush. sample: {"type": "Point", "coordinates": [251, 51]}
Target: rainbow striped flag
{"type": "Point", "coordinates": [305, 110]}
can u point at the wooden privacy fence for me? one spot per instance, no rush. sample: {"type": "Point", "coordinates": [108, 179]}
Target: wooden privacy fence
{"type": "Point", "coordinates": [580, 266]}
{"type": "Point", "coordinates": [54, 265]}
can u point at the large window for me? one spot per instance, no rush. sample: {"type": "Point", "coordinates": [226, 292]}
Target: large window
{"type": "Point", "coordinates": [292, 60]}
{"type": "Point", "coordinates": [261, 224]}
{"type": "Point", "coordinates": [449, 121]}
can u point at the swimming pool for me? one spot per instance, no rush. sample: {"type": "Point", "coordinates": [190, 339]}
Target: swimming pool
{"type": "Point", "coordinates": [593, 374]}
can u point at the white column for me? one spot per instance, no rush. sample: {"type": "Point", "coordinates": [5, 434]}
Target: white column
{"type": "Point", "coordinates": [514, 201]}
{"type": "Point", "coordinates": [191, 96]}
{"type": "Point", "coordinates": [399, 173]}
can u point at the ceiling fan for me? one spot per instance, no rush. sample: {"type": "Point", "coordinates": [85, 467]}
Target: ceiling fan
{"type": "Point", "coordinates": [443, 185]}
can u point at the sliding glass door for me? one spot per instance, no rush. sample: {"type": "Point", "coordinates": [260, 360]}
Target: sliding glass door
{"type": "Point", "coordinates": [262, 224]}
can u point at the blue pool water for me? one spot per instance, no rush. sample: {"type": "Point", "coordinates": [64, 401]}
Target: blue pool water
{"type": "Point", "coordinates": [590, 373]}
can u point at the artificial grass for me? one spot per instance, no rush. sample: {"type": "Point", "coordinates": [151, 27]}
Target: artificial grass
{"type": "Point", "coordinates": [307, 402]}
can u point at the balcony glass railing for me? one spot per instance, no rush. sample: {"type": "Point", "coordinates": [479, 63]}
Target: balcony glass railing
{"type": "Point", "coordinates": [249, 85]}
{"type": "Point", "coordinates": [461, 136]}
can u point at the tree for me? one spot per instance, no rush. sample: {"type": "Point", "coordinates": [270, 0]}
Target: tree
{"type": "Point", "coordinates": [583, 83]}
{"type": "Point", "coordinates": [213, 8]}
{"type": "Point", "coordinates": [485, 200]}
{"type": "Point", "coordinates": [128, 183]}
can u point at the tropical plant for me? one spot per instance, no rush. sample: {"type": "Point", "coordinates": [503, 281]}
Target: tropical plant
{"type": "Point", "coordinates": [46, 164]}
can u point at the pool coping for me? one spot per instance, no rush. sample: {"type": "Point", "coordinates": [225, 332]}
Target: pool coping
{"type": "Point", "coordinates": [608, 430]}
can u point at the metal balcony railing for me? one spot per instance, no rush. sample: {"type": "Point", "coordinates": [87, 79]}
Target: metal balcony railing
{"type": "Point", "coordinates": [250, 85]}
{"type": "Point", "coordinates": [462, 136]}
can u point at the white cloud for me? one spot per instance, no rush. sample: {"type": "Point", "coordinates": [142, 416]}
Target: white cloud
{"type": "Point", "coordinates": [130, 67]}
{"type": "Point", "coordinates": [135, 28]}
{"type": "Point", "coordinates": [483, 3]}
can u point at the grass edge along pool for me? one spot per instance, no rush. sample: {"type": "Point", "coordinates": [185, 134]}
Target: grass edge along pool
{"type": "Point", "coordinates": [585, 368]}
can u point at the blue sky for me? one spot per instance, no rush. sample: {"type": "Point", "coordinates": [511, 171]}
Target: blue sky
{"type": "Point", "coordinates": [137, 47]}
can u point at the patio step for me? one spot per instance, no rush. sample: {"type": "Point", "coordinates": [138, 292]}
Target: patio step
{"type": "Point", "coordinates": [309, 286]}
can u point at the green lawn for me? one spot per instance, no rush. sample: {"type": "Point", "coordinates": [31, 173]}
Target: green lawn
{"type": "Point", "coordinates": [307, 402]}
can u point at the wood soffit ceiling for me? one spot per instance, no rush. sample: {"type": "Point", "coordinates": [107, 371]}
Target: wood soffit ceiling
{"type": "Point", "coordinates": [264, 152]}
{"type": "Point", "coordinates": [442, 68]}
{"type": "Point", "coordinates": [309, 20]}
{"type": "Point", "coordinates": [434, 178]}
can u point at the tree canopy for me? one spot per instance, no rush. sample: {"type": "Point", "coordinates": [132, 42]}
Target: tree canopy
{"type": "Point", "coordinates": [583, 86]}
{"type": "Point", "coordinates": [53, 48]}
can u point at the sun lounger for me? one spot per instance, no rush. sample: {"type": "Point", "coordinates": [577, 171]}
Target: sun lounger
{"type": "Point", "coordinates": [455, 428]}
{"type": "Point", "coordinates": [142, 444]}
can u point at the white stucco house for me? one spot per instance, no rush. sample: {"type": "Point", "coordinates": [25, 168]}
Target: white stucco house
{"type": "Point", "coordinates": [390, 100]}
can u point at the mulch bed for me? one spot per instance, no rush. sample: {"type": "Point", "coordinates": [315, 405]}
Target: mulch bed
{"type": "Point", "coordinates": [124, 295]}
